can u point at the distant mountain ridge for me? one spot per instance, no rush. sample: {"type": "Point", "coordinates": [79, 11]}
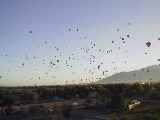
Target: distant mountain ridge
{"type": "Point", "coordinates": [150, 73]}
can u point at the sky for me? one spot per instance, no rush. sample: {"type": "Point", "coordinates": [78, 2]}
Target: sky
{"type": "Point", "coordinates": [59, 42]}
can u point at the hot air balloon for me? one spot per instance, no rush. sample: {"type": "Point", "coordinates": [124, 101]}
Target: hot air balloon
{"type": "Point", "coordinates": [30, 32]}
{"type": "Point", "coordinates": [128, 36]}
{"type": "Point", "coordinates": [98, 66]}
{"type": "Point", "coordinates": [158, 38]}
{"type": "Point", "coordinates": [148, 44]}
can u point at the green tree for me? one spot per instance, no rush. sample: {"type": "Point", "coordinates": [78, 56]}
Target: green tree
{"type": "Point", "coordinates": [9, 100]}
{"type": "Point", "coordinates": [66, 110]}
{"type": "Point", "coordinates": [56, 109]}
{"type": "Point", "coordinates": [1, 94]}
{"type": "Point", "coordinates": [103, 95]}
{"type": "Point", "coordinates": [119, 102]}
{"type": "Point", "coordinates": [31, 96]}
{"type": "Point", "coordinates": [139, 88]}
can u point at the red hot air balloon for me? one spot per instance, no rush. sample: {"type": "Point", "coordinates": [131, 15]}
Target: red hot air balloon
{"type": "Point", "coordinates": [148, 44]}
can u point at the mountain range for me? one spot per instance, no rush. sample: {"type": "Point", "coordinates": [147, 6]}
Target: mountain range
{"type": "Point", "coordinates": [148, 74]}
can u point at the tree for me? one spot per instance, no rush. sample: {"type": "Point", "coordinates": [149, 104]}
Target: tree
{"type": "Point", "coordinates": [119, 102]}
{"type": "Point", "coordinates": [103, 94]}
{"type": "Point", "coordinates": [139, 88]}
{"type": "Point", "coordinates": [1, 94]}
{"type": "Point", "coordinates": [31, 96]}
{"type": "Point", "coordinates": [9, 100]}
{"type": "Point", "coordinates": [66, 110]}
{"type": "Point", "coordinates": [56, 109]}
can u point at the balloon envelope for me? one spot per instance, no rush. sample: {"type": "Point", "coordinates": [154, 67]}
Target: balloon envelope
{"type": "Point", "coordinates": [148, 44]}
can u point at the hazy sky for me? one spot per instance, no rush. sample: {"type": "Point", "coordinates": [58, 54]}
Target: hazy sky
{"type": "Point", "coordinates": [84, 28]}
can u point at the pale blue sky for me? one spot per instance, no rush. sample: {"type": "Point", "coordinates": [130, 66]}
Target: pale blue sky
{"type": "Point", "coordinates": [97, 20]}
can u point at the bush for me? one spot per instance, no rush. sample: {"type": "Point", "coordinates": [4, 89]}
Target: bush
{"type": "Point", "coordinates": [34, 109]}
{"type": "Point", "coordinates": [125, 117]}
{"type": "Point", "coordinates": [152, 117]}
{"type": "Point", "coordinates": [66, 110]}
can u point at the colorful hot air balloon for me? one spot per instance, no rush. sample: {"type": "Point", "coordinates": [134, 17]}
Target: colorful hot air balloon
{"type": "Point", "coordinates": [148, 44]}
